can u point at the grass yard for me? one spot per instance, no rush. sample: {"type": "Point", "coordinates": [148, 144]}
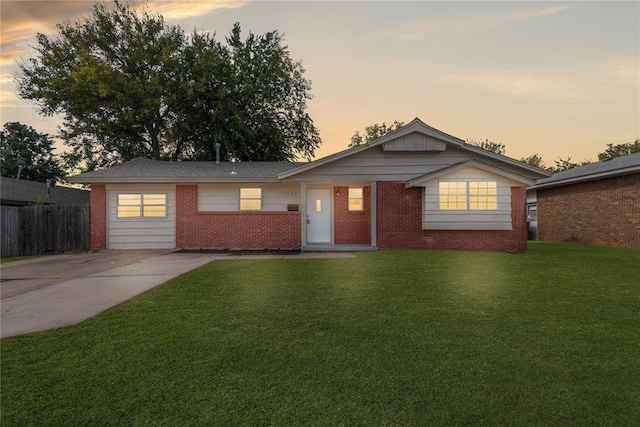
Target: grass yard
{"type": "Point", "coordinates": [549, 337]}
{"type": "Point", "coordinates": [17, 258]}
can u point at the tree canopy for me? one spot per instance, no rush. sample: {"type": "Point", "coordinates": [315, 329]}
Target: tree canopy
{"type": "Point", "coordinates": [373, 132]}
{"type": "Point", "coordinates": [534, 160]}
{"type": "Point", "coordinates": [494, 147]}
{"type": "Point", "coordinates": [130, 85]}
{"type": "Point", "coordinates": [618, 150]}
{"type": "Point", "coordinates": [21, 145]}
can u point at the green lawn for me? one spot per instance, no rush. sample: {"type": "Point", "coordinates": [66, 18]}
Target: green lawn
{"type": "Point", "coordinates": [17, 258]}
{"type": "Point", "coordinates": [549, 337]}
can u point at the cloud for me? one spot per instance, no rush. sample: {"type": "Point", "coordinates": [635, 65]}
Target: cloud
{"type": "Point", "coordinates": [21, 20]}
{"type": "Point", "coordinates": [469, 24]}
{"type": "Point", "coordinates": [191, 8]}
{"type": "Point", "coordinates": [510, 82]}
{"type": "Point", "coordinates": [7, 89]}
{"type": "Point", "coordinates": [598, 82]}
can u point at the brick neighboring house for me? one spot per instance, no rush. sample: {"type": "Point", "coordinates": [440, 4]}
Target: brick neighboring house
{"type": "Point", "coordinates": [597, 204]}
{"type": "Point", "coordinates": [416, 187]}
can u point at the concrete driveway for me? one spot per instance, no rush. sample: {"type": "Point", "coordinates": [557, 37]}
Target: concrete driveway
{"type": "Point", "coordinates": [55, 291]}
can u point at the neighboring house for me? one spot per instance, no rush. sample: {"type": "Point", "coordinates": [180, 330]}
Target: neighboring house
{"type": "Point", "coordinates": [416, 187]}
{"type": "Point", "coordinates": [598, 203]}
{"type": "Point", "coordinates": [20, 192]}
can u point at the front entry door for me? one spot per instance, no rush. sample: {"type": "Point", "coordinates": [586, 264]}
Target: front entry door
{"type": "Point", "coordinates": [319, 216]}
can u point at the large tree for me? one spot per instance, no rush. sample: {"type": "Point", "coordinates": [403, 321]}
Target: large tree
{"type": "Point", "coordinates": [130, 85]}
{"type": "Point", "coordinates": [373, 132]}
{"type": "Point", "coordinates": [115, 77]}
{"type": "Point", "coordinates": [255, 104]}
{"type": "Point", "coordinates": [22, 145]}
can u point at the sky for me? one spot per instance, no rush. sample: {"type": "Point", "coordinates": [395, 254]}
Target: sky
{"type": "Point", "coordinates": [557, 79]}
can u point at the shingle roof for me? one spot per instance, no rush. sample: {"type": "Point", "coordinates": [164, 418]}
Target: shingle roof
{"type": "Point", "coordinates": [418, 126]}
{"type": "Point", "coordinates": [146, 170]}
{"type": "Point", "coordinates": [21, 192]}
{"type": "Point", "coordinates": [602, 169]}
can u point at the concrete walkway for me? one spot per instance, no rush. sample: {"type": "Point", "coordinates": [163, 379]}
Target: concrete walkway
{"type": "Point", "coordinates": [56, 291]}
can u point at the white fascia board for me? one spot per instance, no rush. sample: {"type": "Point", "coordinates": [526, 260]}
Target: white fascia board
{"type": "Point", "coordinates": [416, 125]}
{"type": "Point", "coordinates": [419, 126]}
{"type": "Point", "coordinates": [417, 182]}
{"type": "Point", "coordinates": [506, 159]}
{"type": "Point", "coordinates": [323, 161]}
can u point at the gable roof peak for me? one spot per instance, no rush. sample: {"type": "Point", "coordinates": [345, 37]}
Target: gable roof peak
{"type": "Point", "coordinates": [416, 125]}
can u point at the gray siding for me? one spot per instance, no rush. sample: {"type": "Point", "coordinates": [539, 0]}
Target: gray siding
{"type": "Point", "coordinates": [376, 165]}
{"type": "Point", "coordinates": [141, 233]}
{"type": "Point", "coordinates": [226, 197]}
{"type": "Point", "coordinates": [436, 219]}
{"type": "Point", "coordinates": [414, 142]}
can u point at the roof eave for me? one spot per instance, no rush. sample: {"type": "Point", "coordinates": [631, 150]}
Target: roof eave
{"type": "Point", "coordinates": [506, 159]}
{"type": "Point", "coordinates": [165, 180]}
{"type": "Point", "coordinates": [585, 178]}
{"type": "Point", "coordinates": [416, 125]}
{"type": "Point", "coordinates": [415, 182]}
{"type": "Point", "coordinates": [328, 159]}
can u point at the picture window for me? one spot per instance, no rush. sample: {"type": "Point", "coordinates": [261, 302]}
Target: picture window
{"type": "Point", "coordinates": [468, 195]}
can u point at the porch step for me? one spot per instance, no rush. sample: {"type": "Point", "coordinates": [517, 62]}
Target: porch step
{"type": "Point", "coordinates": [337, 248]}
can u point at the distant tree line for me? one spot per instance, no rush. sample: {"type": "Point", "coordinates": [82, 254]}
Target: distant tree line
{"type": "Point", "coordinates": [22, 145]}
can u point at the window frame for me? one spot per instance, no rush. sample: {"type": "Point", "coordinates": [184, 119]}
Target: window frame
{"type": "Point", "coordinates": [141, 205]}
{"type": "Point", "coordinates": [475, 192]}
{"type": "Point", "coordinates": [351, 198]}
{"type": "Point", "coordinates": [250, 199]}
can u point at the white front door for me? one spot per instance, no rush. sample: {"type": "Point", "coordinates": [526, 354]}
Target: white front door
{"type": "Point", "coordinates": [319, 216]}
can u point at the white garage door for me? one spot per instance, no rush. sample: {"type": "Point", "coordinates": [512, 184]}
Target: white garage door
{"type": "Point", "coordinates": [141, 217]}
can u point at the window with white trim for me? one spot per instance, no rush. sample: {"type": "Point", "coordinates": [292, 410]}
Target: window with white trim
{"type": "Point", "coordinates": [356, 199]}
{"type": "Point", "coordinates": [468, 195]}
{"type": "Point", "coordinates": [142, 205]}
{"type": "Point", "coordinates": [250, 199]}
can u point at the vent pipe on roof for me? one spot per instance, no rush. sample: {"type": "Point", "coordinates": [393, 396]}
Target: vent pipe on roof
{"type": "Point", "coordinates": [19, 171]}
{"type": "Point", "coordinates": [217, 152]}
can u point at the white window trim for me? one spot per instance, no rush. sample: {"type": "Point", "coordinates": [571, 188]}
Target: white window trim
{"type": "Point", "coordinates": [468, 196]}
{"type": "Point", "coordinates": [259, 199]}
{"type": "Point", "coordinates": [142, 205]}
{"type": "Point", "coordinates": [361, 199]}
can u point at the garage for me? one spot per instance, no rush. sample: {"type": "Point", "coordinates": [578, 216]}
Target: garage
{"type": "Point", "coordinates": [141, 217]}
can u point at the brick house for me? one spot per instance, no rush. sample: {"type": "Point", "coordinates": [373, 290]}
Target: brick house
{"type": "Point", "coordinates": [416, 187]}
{"type": "Point", "coordinates": [597, 204]}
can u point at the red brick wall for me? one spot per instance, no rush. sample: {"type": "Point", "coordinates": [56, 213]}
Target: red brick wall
{"type": "Point", "coordinates": [98, 217]}
{"type": "Point", "coordinates": [351, 228]}
{"type": "Point", "coordinates": [604, 212]}
{"type": "Point", "coordinates": [399, 223]}
{"type": "Point", "coordinates": [232, 230]}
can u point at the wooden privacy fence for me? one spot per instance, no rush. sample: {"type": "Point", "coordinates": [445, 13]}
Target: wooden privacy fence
{"type": "Point", "coordinates": [48, 229]}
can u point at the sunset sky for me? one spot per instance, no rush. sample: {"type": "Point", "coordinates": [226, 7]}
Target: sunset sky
{"type": "Point", "coordinates": [561, 79]}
